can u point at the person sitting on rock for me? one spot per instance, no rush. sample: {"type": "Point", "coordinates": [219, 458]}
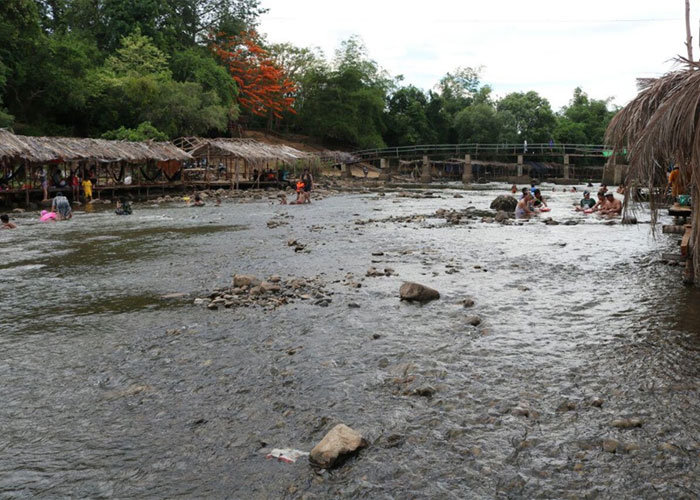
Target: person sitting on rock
{"type": "Point", "coordinates": [613, 207]}
{"type": "Point", "coordinates": [6, 224]}
{"type": "Point", "coordinates": [198, 201]}
{"type": "Point", "coordinates": [586, 202]}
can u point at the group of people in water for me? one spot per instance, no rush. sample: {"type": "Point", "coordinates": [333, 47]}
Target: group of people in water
{"type": "Point", "coordinates": [61, 208]}
{"type": "Point", "coordinates": [532, 202]}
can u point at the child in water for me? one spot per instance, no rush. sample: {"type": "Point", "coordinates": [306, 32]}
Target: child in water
{"type": "Point", "coordinates": [6, 224]}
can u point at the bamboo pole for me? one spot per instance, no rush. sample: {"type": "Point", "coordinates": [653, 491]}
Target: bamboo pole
{"type": "Point", "coordinates": [689, 37]}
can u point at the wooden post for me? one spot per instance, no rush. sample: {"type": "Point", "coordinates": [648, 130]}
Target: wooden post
{"type": "Point", "coordinates": [467, 174]}
{"type": "Point", "coordinates": [566, 167]}
{"type": "Point", "coordinates": [426, 175]}
{"type": "Point", "coordinates": [383, 169]}
{"type": "Point", "coordinates": [26, 184]}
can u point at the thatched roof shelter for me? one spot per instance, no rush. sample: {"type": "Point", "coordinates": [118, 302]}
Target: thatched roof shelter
{"type": "Point", "coordinates": [660, 127]}
{"type": "Point", "coordinates": [63, 149]}
{"type": "Point", "coordinates": [249, 150]}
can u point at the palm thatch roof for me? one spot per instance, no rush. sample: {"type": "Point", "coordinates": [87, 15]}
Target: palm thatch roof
{"type": "Point", "coordinates": [52, 149]}
{"type": "Point", "coordinates": [659, 127]}
{"type": "Point", "coordinates": [246, 149]}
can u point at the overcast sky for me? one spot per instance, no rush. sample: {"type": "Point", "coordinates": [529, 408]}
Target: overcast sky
{"type": "Point", "coordinates": [550, 46]}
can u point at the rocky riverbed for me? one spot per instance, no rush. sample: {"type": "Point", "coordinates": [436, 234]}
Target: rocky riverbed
{"type": "Point", "coordinates": [168, 353]}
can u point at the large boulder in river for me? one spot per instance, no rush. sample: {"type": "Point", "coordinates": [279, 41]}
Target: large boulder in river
{"type": "Point", "coordinates": [504, 202]}
{"type": "Point", "coordinates": [416, 292]}
{"type": "Point", "coordinates": [243, 280]}
{"type": "Point", "coordinates": [340, 441]}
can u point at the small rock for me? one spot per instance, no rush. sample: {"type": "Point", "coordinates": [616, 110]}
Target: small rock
{"type": "Point", "coordinates": [501, 216]}
{"type": "Point", "coordinates": [274, 279]}
{"type": "Point", "coordinates": [426, 392]}
{"type": "Point", "coordinates": [212, 306]}
{"type": "Point", "coordinates": [473, 320]}
{"type": "Point", "coordinates": [627, 423]}
{"type": "Point", "coordinates": [353, 305]}
{"type": "Point", "coordinates": [610, 445]}
{"type": "Point", "coordinates": [458, 196]}
{"type": "Point", "coordinates": [597, 402]}
{"type": "Point", "coordinates": [377, 254]}
{"type": "Point", "coordinates": [241, 280]}
{"type": "Point", "coordinates": [566, 405]}
{"type": "Point", "coordinates": [199, 302]}
{"type": "Point", "coordinates": [269, 287]}
{"type": "Point", "coordinates": [468, 302]}
{"type": "Point", "coordinates": [376, 336]}
{"type": "Point", "coordinates": [340, 441]}
{"type": "Point", "coordinates": [416, 292]}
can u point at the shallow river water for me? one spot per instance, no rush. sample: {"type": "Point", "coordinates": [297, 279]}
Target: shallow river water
{"type": "Point", "coordinates": [110, 390]}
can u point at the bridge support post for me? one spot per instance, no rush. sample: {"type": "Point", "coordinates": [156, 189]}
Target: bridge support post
{"type": "Point", "coordinates": [426, 175]}
{"type": "Point", "coordinates": [467, 174]}
{"type": "Point", "coordinates": [566, 167]}
{"type": "Point", "coordinates": [384, 169]}
{"type": "Point", "coordinates": [520, 165]}
{"type": "Point", "coordinates": [345, 171]}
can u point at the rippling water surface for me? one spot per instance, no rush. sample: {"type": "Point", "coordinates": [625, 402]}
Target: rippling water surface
{"type": "Point", "coordinates": [110, 390]}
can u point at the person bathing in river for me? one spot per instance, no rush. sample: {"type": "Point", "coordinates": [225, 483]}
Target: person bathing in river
{"type": "Point", "coordinates": [6, 224]}
{"type": "Point", "coordinates": [123, 207]}
{"type": "Point", "coordinates": [525, 192]}
{"type": "Point", "coordinates": [198, 201]}
{"type": "Point", "coordinates": [538, 201]}
{"type": "Point", "coordinates": [524, 208]}
{"type": "Point", "coordinates": [613, 207]}
{"type": "Point", "coordinates": [514, 189]}
{"type": "Point", "coordinates": [61, 206]}
{"type": "Point", "coordinates": [621, 189]}
{"type": "Point", "coordinates": [586, 202]}
{"type": "Point", "coordinates": [308, 181]}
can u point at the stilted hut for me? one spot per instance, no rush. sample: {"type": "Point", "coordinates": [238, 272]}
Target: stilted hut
{"type": "Point", "coordinates": [25, 160]}
{"type": "Point", "coordinates": [236, 161]}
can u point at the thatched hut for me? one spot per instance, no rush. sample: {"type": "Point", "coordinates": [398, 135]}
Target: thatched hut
{"type": "Point", "coordinates": [660, 127]}
{"type": "Point", "coordinates": [237, 160]}
{"type": "Point", "coordinates": [111, 162]}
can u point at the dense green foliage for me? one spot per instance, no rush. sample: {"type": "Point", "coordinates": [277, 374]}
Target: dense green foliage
{"type": "Point", "coordinates": [145, 69]}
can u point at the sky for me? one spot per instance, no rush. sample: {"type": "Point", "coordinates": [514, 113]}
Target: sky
{"type": "Point", "coordinates": [548, 46]}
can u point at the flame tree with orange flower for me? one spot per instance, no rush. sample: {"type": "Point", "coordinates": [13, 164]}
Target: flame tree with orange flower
{"type": "Point", "coordinates": [263, 87]}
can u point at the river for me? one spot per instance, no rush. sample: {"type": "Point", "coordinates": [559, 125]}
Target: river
{"type": "Point", "coordinates": [111, 390]}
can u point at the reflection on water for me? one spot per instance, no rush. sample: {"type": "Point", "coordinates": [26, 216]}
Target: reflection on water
{"type": "Point", "coordinates": [110, 390]}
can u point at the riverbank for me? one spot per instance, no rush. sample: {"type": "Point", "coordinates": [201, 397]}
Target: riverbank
{"type": "Point", "coordinates": [117, 384]}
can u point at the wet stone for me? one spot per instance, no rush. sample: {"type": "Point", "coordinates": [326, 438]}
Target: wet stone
{"type": "Point", "coordinates": [416, 292]}
{"type": "Point", "coordinates": [627, 423]}
{"type": "Point", "coordinates": [340, 441]}
{"type": "Point", "coordinates": [610, 445]}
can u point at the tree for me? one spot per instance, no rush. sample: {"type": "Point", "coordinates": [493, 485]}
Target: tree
{"type": "Point", "coordinates": [263, 87]}
{"type": "Point", "coordinates": [478, 123]}
{"type": "Point", "coordinates": [144, 132]}
{"type": "Point", "coordinates": [344, 103]}
{"type": "Point", "coordinates": [406, 118]}
{"type": "Point", "coordinates": [584, 120]}
{"type": "Point", "coordinates": [136, 85]}
{"type": "Point", "coordinates": [526, 117]}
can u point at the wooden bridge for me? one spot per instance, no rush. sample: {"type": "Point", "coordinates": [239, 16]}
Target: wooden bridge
{"type": "Point", "coordinates": [507, 162]}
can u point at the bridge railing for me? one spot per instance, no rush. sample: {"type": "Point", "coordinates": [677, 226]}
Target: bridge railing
{"type": "Point", "coordinates": [475, 149]}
